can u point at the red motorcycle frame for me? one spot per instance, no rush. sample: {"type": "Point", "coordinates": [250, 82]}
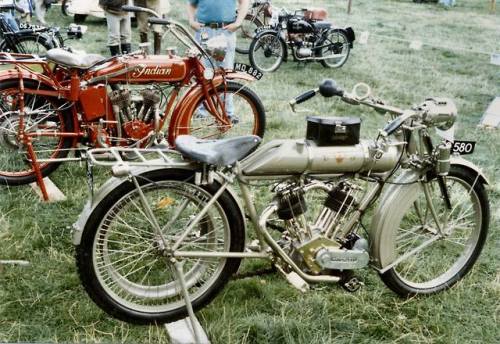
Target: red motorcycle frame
{"type": "Point", "coordinates": [95, 114]}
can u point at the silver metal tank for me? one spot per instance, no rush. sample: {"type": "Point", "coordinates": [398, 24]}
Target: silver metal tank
{"type": "Point", "coordinates": [286, 157]}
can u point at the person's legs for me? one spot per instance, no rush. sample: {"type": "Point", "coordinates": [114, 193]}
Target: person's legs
{"type": "Point", "coordinates": [125, 34]}
{"type": "Point", "coordinates": [40, 11]}
{"type": "Point", "coordinates": [113, 23]}
{"type": "Point", "coordinates": [11, 21]}
{"type": "Point", "coordinates": [157, 29]}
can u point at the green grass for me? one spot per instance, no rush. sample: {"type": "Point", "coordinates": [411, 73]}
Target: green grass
{"type": "Point", "coordinates": [46, 303]}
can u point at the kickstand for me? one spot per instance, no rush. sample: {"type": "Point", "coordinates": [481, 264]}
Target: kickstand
{"type": "Point", "coordinates": [36, 168]}
{"type": "Point", "coordinates": [199, 338]}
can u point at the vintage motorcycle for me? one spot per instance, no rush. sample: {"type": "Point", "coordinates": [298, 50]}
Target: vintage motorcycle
{"type": "Point", "coordinates": [48, 106]}
{"type": "Point", "coordinates": [173, 228]}
{"type": "Point", "coordinates": [259, 15]}
{"type": "Point", "coordinates": [308, 35]}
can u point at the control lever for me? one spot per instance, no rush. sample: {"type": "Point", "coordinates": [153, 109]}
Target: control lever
{"type": "Point", "coordinates": [394, 125]}
{"type": "Point", "coordinates": [302, 98]}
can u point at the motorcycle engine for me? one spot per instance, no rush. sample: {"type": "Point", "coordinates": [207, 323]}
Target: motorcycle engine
{"type": "Point", "coordinates": [313, 216]}
{"type": "Point", "coordinates": [136, 112]}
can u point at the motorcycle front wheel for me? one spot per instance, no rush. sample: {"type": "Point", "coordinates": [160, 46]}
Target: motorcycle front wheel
{"type": "Point", "coordinates": [124, 263]}
{"type": "Point", "coordinates": [428, 259]}
{"type": "Point", "coordinates": [267, 51]}
{"type": "Point", "coordinates": [236, 102]}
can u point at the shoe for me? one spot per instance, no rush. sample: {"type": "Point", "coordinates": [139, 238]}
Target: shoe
{"type": "Point", "coordinates": [157, 43]}
{"type": "Point", "coordinates": [234, 119]}
{"type": "Point", "coordinates": [126, 48]}
{"type": "Point", "coordinates": [115, 50]}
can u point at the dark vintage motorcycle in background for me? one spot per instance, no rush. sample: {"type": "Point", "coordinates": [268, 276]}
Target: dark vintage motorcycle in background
{"type": "Point", "coordinates": [48, 106]}
{"type": "Point", "coordinates": [308, 35]}
{"type": "Point", "coordinates": [167, 230]}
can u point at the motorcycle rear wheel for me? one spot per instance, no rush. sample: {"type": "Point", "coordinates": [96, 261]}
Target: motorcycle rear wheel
{"type": "Point", "coordinates": [120, 258]}
{"type": "Point", "coordinates": [337, 44]}
{"type": "Point", "coordinates": [15, 168]}
{"type": "Point", "coordinates": [446, 260]}
{"type": "Point", "coordinates": [29, 44]}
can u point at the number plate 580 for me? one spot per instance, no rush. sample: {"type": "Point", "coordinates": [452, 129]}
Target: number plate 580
{"type": "Point", "coordinates": [463, 147]}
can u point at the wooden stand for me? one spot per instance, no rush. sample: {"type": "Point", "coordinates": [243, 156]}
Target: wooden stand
{"type": "Point", "coordinates": [48, 191]}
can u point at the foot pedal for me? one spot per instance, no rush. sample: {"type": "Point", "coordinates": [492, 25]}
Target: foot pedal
{"type": "Point", "coordinates": [351, 284]}
{"type": "Point", "coordinates": [295, 280]}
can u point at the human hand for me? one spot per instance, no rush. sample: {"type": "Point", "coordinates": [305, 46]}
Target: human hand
{"type": "Point", "coordinates": [195, 25]}
{"type": "Point", "coordinates": [232, 27]}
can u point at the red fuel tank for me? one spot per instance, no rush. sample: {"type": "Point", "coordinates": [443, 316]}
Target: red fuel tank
{"type": "Point", "coordinates": [154, 68]}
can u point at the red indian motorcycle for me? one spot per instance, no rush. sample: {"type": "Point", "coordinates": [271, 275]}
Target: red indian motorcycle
{"type": "Point", "coordinates": [49, 106]}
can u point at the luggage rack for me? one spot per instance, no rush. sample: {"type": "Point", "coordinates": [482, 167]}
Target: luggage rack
{"type": "Point", "coordinates": [134, 157]}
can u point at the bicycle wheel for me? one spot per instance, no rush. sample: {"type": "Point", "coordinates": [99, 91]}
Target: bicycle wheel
{"type": "Point", "coordinates": [42, 115]}
{"type": "Point", "coordinates": [267, 51]}
{"type": "Point", "coordinates": [239, 104]}
{"type": "Point", "coordinates": [337, 46]}
{"type": "Point", "coordinates": [65, 6]}
{"type": "Point", "coordinates": [123, 262]}
{"type": "Point", "coordinates": [28, 44]}
{"type": "Point", "coordinates": [246, 33]}
{"type": "Point", "coordinates": [428, 261]}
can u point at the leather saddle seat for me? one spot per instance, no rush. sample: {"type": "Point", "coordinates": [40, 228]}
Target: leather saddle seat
{"type": "Point", "coordinates": [72, 60]}
{"type": "Point", "coordinates": [322, 25]}
{"type": "Point", "coordinates": [223, 152]}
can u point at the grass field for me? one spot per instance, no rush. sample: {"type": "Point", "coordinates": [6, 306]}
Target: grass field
{"type": "Point", "coordinates": [46, 303]}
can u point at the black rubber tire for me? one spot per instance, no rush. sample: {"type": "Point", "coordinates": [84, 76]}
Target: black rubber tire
{"type": "Point", "coordinates": [252, 49]}
{"type": "Point", "coordinates": [326, 65]}
{"type": "Point", "coordinates": [43, 40]}
{"type": "Point", "coordinates": [254, 100]}
{"type": "Point", "coordinates": [66, 142]}
{"type": "Point", "coordinates": [79, 18]}
{"type": "Point", "coordinates": [394, 282]}
{"type": "Point", "coordinates": [257, 22]}
{"type": "Point", "coordinates": [84, 251]}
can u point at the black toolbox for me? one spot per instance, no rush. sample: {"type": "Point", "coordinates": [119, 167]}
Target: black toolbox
{"type": "Point", "coordinates": [333, 131]}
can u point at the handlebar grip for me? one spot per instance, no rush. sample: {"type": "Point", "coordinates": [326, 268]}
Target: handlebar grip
{"type": "Point", "coordinates": [130, 8]}
{"type": "Point", "coordinates": [304, 96]}
{"type": "Point", "coordinates": [158, 21]}
{"type": "Point", "coordinates": [394, 125]}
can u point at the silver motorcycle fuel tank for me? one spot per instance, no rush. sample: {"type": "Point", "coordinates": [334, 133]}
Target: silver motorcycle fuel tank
{"type": "Point", "coordinates": [288, 157]}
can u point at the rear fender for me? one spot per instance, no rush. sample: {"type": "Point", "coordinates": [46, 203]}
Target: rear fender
{"type": "Point", "coordinates": [13, 74]}
{"type": "Point", "coordinates": [349, 33]}
{"type": "Point", "coordinates": [114, 182]}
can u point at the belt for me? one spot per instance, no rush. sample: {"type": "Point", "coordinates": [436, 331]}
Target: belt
{"type": "Point", "coordinates": [217, 25]}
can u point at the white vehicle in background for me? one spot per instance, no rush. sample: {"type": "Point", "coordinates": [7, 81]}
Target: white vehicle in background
{"type": "Point", "coordinates": [80, 9]}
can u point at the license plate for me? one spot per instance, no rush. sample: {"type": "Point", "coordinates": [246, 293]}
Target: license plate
{"type": "Point", "coordinates": [244, 68]}
{"type": "Point", "coordinates": [262, 28]}
{"type": "Point", "coordinates": [463, 147]}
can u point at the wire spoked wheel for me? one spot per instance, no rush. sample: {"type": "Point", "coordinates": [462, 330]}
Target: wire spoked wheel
{"type": "Point", "coordinates": [335, 51]}
{"type": "Point", "coordinates": [42, 116]}
{"type": "Point", "coordinates": [236, 103]}
{"type": "Point", "coordinates": [267, 52]}
{"type": "Point", "coordinates": [246, 33]}
{"type": "Point", "coordinates": [29, 44]}
{"type": "Point", "coordinates": [125, 263]}
{"type": "Point", "coordinates": [432, 253]}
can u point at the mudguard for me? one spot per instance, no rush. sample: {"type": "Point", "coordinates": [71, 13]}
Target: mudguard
{"type": "Point", "coordinates": [189, 100]}
{"type": "Point", "coordinates": [394, 203]}
{"type": "Point", "coordinates": [115, 182]}
{"type": "Point", "coordinates": [11, 74]}
{"type": "Point", "coordinates": [349, 33]}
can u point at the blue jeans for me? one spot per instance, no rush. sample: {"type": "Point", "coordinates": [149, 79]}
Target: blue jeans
{"type": "Point", "coordinates": [228, 62]}
{"type": "Point", "coordinates": [11, 21]}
